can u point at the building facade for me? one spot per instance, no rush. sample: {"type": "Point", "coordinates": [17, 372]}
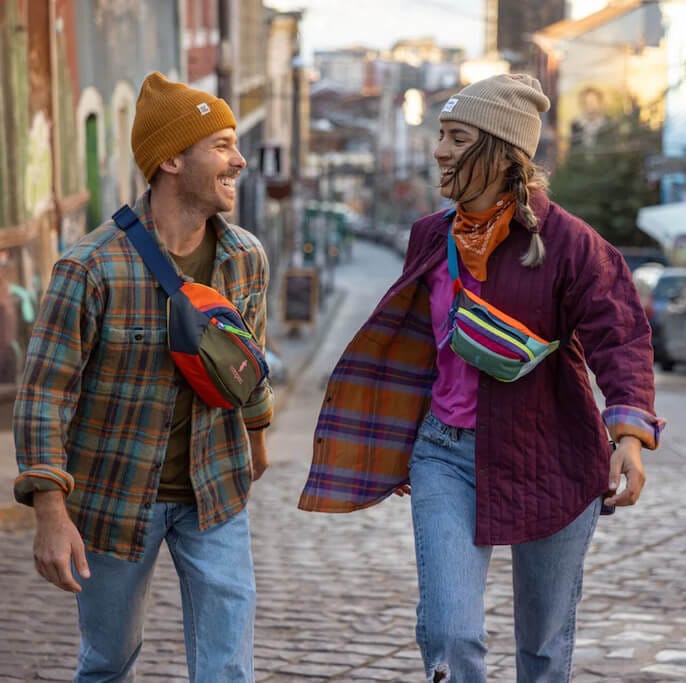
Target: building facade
{"type": "Point", "coordinates": [283, 152]}
{"type": "Point", "coordinates": [70, 73]}
{"type": "Point", "coordinates": [673, 182]}
{"type": "Point", "coordinates": [201, 43]}
{"type": "Point", "coordinates": [517, 20]}
{"type": "Point", "coordinates": [603, 66]}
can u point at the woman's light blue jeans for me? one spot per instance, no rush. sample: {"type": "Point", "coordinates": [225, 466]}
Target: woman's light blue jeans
{"type": "Point", "coordinates": [217, 581]}
{"type": "Point", "coordinates": [547, 573]}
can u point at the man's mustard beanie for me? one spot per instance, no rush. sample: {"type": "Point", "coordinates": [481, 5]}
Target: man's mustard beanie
{"type": "Point", "coordinates": [171, 117]}
{"type": "Point", "coordinates": [508, 106]}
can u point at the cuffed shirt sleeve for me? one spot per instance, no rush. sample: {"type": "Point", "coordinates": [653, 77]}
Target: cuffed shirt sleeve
{"type": "Point", "coordinates": [628, 421]}
{"type": "Point", "coordinates": [41, 478]}
{"type": "Point", "coordinates": [257, 413]}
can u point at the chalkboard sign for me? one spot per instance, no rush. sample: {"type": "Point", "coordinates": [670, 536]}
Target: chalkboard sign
{"type": "Point", "coordinates": [300, 296]}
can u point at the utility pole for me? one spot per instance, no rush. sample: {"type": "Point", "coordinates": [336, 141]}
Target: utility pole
{"type": "Point", "coordinates": [296, 64]}
{"type": "Point", "coordinates": [491, 27]}
{"type": "Point", "coordinates": [296, 143]}
{"type": "Point", "coordinates": [225, 61]}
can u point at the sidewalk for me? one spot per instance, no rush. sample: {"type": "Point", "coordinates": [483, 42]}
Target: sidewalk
{"type": "Point", "coordinates": [295, 352]}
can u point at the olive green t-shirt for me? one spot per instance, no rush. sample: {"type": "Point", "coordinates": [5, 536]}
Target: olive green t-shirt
{"type": "Point", "coordinates": [175, 481]}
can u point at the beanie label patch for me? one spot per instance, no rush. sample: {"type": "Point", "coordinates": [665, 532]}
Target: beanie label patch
{"type": "Point", "coordinates": [449, 105]}
{"type": "Point", "coordinates": [203, 108]}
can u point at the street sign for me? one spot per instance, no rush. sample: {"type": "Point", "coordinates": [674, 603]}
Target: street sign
{"type": "Point", "coordinates": [300, 295]}
{"type": "Point", "coordinates": [657, 166]}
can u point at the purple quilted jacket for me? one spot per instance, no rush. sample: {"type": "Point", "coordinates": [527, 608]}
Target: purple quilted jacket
{"type": "Point", "coordinates": [542, 449]}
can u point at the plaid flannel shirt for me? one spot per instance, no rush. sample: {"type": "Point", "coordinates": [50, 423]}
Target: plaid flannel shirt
{"type": "Point", "coordinates": [93, 414]}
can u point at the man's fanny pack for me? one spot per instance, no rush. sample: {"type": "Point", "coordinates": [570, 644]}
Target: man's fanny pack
{"type": "Point", "coordinates": [487, 338]}
{"type": "Point", "coordinates": [210, 343]}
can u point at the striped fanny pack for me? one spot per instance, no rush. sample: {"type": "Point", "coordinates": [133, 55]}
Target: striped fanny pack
{"type": "Point", "coordinates": [486, 337]}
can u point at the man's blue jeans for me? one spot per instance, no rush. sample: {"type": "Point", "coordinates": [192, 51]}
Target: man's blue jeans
{"type": "Point", "coordinates": [547, 573]}
{"type": "Point", "coordinates": [217, 581]}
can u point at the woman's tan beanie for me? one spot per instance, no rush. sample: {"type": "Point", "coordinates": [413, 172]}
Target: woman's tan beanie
{"type": "Point", "coordinates": [507, 106]}
{"type": "Point", "coordinates": [171, 117]}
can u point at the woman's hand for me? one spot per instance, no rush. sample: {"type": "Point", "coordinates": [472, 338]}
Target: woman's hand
{"type": "Point", "coordinates": [626, 460]}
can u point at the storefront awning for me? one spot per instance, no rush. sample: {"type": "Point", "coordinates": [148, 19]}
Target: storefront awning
{"type": "Point", "coordinates": [664, 222]}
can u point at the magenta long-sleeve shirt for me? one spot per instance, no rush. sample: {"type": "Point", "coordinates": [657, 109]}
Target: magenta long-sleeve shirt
{"type": "Point", "coordinates": [453, 396]}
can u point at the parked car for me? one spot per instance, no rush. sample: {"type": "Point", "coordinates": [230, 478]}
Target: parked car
{"type": "Point", "coordinates": [401, 240]}
{"type": "Point", "coordinates": [645, 278]}
{"type": "Point", "coordinates": [383, 233]}
{"type": "Point", "coordinates": [669, 286]}
{"type": "Point", "coordinates": [360, 225]}
{"type": "Point", "coordinates": [674, 328]}
{"type": "Point", "coordinates": [638, 256]}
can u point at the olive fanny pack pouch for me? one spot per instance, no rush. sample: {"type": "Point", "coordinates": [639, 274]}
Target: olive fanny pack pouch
{"type": "Point", "coordinates": [210, 342]}
{"type": "Point", "coordinates": [485, 337]}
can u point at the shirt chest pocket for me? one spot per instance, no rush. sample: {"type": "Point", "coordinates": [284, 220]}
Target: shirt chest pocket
{"type": "Point", "coordinates": [244, 300]}
{"type": "Point", "coordinates": [244, 303]}
{"type": "Point", "coordinates": [237, 292]}
{"type": "Point", "coordinates": [128, 359]}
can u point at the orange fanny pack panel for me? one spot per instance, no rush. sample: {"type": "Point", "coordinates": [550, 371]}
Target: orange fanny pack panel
{"type": "Point", "coordinates": [213, 347]}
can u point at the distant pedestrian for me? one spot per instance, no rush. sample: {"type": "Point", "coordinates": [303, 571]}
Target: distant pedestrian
{"type": "Point", "coordinates": [116, 452]}
{"type": "Point", "coordinates": [468, 388]}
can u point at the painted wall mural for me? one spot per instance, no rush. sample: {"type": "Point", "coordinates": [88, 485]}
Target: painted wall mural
{"type": "Point", "coordinates": [38, 171]}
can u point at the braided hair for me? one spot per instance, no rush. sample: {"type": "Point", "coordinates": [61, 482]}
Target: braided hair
{"type": "Point", "coordinates": [523, 177]}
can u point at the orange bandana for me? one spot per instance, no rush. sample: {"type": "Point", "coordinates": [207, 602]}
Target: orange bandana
{"type": "Point", "coordinates": [478, 234]}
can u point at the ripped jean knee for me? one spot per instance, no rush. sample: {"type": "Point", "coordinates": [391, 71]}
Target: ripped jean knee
{"type": "Point", "coordinates": [440, 673]}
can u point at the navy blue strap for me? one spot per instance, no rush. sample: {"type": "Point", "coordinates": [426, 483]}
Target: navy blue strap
{"type": "Point", "coordinates": [154, 259]}
{"type": "Point", "coordinates": [452, 257]}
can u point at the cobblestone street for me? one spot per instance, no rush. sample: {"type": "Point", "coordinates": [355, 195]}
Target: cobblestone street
{"type": "Point", "coordinates": [337, 593]}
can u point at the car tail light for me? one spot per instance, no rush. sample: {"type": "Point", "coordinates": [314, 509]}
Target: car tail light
{"type": "Point", "coordinates": [649, 308]}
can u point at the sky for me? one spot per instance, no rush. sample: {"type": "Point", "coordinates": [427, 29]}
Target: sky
{"type": "Point", "coordinates": [379, 23]}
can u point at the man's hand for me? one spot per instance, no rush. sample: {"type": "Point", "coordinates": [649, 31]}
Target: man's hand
{"type": "Point", "coordinates": [258, 448]}
{"type": "Point", "coordinates": [57, 540]}
{"type": "Point", "coordinates": [626, 460]}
